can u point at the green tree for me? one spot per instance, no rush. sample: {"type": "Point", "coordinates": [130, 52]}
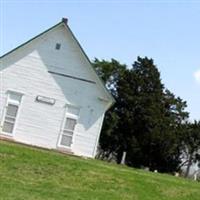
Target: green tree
{"type": "Point", "coordinates": [109, 72]}
{"type": "Point", "coordinates": [146, 119]}
{"type": "Point", "coordinates": [191, 144]}
{"type": "Point", "coordinates": [150, 118]}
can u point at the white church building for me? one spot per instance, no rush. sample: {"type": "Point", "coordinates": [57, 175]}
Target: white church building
{"type": "Point", "coordinates": [50, 95]}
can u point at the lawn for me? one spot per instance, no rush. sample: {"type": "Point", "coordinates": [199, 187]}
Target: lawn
{"type": "Point", "coordinates": [33, 174]}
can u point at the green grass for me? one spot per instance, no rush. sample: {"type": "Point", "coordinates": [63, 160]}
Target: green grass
{"type": "Point", "coordinates": [33, 174]}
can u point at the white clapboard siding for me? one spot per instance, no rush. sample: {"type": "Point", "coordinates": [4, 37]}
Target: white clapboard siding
{"type": "Point", "coordinates": [26, 71]}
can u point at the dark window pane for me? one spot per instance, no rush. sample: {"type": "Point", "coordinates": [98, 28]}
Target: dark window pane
{"type": "Point", "coordinates": [58, 45]}
{"type": "Point", "coordinates": [66, 140]}
{"type": "Point", "coordinates": [12, 110]}
{"type": "Point", "coordinates": [70, 124]}
{"type": "Point", "coordinates": [8, 127]}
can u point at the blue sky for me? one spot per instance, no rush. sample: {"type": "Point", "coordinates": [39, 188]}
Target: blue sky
{"type": "Point", "coordinates": [167, 31]}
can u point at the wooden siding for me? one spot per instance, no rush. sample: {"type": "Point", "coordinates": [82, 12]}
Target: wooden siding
{"type": "Point", "coordinates": [26, 71]}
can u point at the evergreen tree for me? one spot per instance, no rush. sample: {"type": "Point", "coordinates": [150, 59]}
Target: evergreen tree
{"type": "Point", "coordinates": [146, 120]}
{"type": "Point", "coordinates": [149, 118]}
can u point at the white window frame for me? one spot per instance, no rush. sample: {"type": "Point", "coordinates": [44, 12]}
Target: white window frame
{"type": "Point", "coordinates": [70, 116]}
{"type": "Point", "coordinates": [12, 102]}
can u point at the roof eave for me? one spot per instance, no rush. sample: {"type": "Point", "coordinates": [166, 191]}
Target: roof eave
{"type": "Point", "coordinates": [101, 81]}
{"type": "Point", "coordinates": [64, 22]}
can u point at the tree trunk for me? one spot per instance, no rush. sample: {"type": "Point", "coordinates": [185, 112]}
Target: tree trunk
{"type": "Point", "coordinates": [188, 166]}
{"type": "Point", "coordinates": [123, 160]}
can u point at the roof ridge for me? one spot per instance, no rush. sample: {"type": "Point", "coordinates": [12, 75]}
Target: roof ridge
{"type": "Point", "coordinates": [64, 21]}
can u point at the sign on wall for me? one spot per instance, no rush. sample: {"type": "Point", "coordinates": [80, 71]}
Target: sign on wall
{"type": "Point", "coordinates": [46, 100]}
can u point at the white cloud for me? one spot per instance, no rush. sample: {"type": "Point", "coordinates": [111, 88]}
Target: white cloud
{"type": "Point", "coordinates": [197, 76]}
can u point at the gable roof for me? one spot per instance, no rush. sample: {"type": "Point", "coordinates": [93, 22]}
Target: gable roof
{"type": "Point", "coordinates": [64, 22]}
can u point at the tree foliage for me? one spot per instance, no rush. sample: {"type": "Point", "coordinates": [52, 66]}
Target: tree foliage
{"type": "Point", "coordinates": [191, 145]}
{"type": "Point", "coordinates": [146, 121]}
{"type": "Point", "coordinates": [110, 72]}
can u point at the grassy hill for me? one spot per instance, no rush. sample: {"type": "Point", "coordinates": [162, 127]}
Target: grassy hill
{"type": "Point", "coordinates": [32, 174]}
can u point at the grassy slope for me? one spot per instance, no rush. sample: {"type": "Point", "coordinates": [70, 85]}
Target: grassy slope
{"type": "Point", "coordinates": [32, 174]}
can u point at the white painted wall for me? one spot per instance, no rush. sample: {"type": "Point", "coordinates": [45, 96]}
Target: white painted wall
{"type": "Point", "coordinates": [26, 71]}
